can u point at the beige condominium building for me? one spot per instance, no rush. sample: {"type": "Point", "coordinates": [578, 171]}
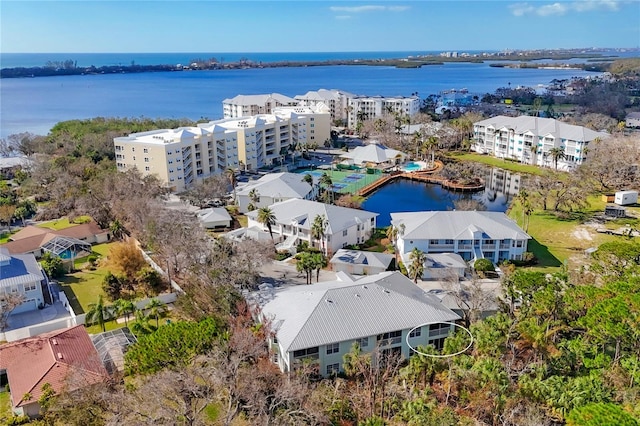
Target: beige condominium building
{"type": "Point", "coordinates": [249, 105]}
{"type": "Point", "coordinates": [181, 157]}
{"type": "Point", "coordinates": [362, 108]}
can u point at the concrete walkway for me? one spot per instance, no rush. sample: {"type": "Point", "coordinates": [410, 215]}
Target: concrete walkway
{"type": "Point", "coordinates": [37, 316]}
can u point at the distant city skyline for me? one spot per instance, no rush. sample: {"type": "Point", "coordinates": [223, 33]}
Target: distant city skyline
{"type": "Point", "coordinates": [121, 26]}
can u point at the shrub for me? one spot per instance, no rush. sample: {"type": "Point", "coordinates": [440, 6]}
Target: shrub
{"type": "Point", "coordinates": [282, 255]}
{"type": "Point", "coordinates": [484, 265]}
{"type": "Point", "coordinates": [18, 420]}
{"type": "Point", "coordinates": [52, 265]}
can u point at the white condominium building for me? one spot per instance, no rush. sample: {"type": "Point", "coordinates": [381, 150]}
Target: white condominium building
{"type": "Point", "coordinates": [336, 100]}
{"type": "Point", "coordinates": [181, 157]}
{"type": "Point", "coordinates": [362, 108]}
{"type": "Point", "coordinates": [531, 140]}
{"type": "Point", "coordinates": [248, 105]}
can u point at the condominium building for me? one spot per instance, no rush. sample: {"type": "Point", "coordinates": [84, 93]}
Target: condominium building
{"type": "Point", "coordinates": [383, 314]}
{"type": "Point", "coordinates": [531, 140]}
{"type": "Point", "coordinates": [471, 234]}
{"type": "Point", "coordinates": [248, 105]}
{"type": "Point", "coordinates": [336, 100]}
{"type": "Point", "coordinates": [362, 108]}
{"type": "Point", "coordinates": [181, 157]}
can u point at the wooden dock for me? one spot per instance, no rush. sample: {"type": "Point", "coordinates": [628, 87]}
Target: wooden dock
{"type": "Point", "coordinates": [429, 176]}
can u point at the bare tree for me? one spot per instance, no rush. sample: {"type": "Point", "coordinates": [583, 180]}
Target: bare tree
{"type": "Point", "coordinates": [8, 302]}
{"type": "Point", "coordinates": [470, 296]}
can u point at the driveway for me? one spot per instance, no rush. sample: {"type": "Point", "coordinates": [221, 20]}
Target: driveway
{"type": "Point", "coordinates": [280, 273]}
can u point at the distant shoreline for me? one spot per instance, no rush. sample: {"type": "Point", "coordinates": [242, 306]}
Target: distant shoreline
{"type": "Point", "coordinates": [69, 67]}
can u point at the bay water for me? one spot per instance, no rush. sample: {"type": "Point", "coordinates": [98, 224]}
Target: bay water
{"type": "Point", "coordinates": [36, 104]}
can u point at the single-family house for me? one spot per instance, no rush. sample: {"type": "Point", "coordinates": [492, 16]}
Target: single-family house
{"type": "Point", "coordinates": [215, 217]}
{"type": "Point", "coordinates": [294, 220]}
{"type": "Point", "coordinates": [65, 359]}
{"type": "Point", "coordinates": [374, 154]}
{"type": "Point", "coordinates": [20, 274]}
{"type": "Point", "coordinates": [321, 323]}
{"type": "Point", "coordinates": [357, 262]}
{"type": "Point", "coordinates": [273, 188]}
{"type": "Point", "coordinates": [31, 239]}
{"type": "Point", "coordinates": [471, 234]}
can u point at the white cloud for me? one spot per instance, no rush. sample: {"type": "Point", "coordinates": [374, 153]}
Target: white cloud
{"type": "Point", "coordinates": [552, 9]}
{"type": "Point", "coordinates": [368, 8]}
{"type": "Point", "coordinates": [343, 17]}
{"type": "Point", "coordinates": [561, 8]}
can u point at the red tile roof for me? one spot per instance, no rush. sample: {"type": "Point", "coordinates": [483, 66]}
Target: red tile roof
{"type": "Point", "coordinates": [66, 359]}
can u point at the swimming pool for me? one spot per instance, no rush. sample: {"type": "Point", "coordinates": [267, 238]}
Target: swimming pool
{"type": "Point", "coordinates": [414, 166]}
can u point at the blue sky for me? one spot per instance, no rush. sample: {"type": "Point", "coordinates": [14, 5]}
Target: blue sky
{"type": "Point", "coordinates": [313, 26]}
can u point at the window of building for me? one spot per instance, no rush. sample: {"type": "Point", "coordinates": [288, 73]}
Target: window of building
{"type": "Point", "coordinates": [333, 348]}
{"type": "Point", "coordinates": [450, 242]}
{"type": "Point", "coordinates": [146, 159]}
{"type": "Point", "coordinates": [437, 343]}
{"type": "Point", "coordinates": [146, 168]}
{"type": "Point", "coordinates": [489, 242]}
{"type": "Point", "coordinates": [519, 244]}
{"type": "Point", "coordinates": [416, 332]}
{"type": "Point", "coordinates": [133, 149]}
{"type": "Point", "coordinates": [344, 233]}
{"type": "Point", "coordinates": [434, 242]}
{"type": "Point", "coordinates": [363, 342]}
{"type": "Point", "coordinates": [306, 352]}
{"type": "Point", "coordinates": [134, 158]}
{"type": "Point", "coordinates": [145, 150]}
{"type": "Point", "coordinates": [29, 286]}
{"type": "Point", "coordinates": [439, 326]}
{"type": "Point", "coordinates": [333, 369]}
{"type": "Point", "coordinates": [392, 337]}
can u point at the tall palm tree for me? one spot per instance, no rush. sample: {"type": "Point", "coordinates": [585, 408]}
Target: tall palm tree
{"type": "Point", "coordinates": [318, 230]}
{"type": "Point", "coordinates": [268, 219]}
{"type": "Point", "coordinates": [430, 146]}
{"type": "Point", "coordinates": [124, 307]}
{"type": "Point", "coordinates": [308, 179]}
{"type": "Point", "coordinates": [534, 151]}
{"type": "Point", "coordinates": [327, 183]}
{"type": "Point", "coordinates": [231, 175]}
{"type": "Point", "coordinates": [319, 261]}
{"type": "Point", "coordinates": [98, 313]}
{"type": "Point", "coordinates": [393, 233]}
{"type": "Point", "coordinates": [416, 266]}
{"type": "Point", "coordinates": [141, 325]}
{"type": "Point", "coordinates": [557, 154]}
{"type": "Point", "coordinates": [156, 308]}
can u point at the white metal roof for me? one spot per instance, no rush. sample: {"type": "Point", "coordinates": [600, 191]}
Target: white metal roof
{"type": "Point", "coordinates": [304, 212]}
{"type": "Point", "coordinates": [358, 257]}
{"type": "Point", "coordinates": [286, 185]}
{"type": "Point", "coordinates": [372, 153]}
{"type": "Point", "coordinates": [337, 311]}
{"type": "Point", "coordinates": [442, 225]}
{"type": "Point", "coordinates": [540, 126]}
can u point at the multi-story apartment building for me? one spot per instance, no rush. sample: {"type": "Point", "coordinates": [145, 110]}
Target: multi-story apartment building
{"type": "Point", "coordinates": [336, 100]}
{"type": "Point", "coordinates": [382, 314]}
{"type": "Point", "coordinates": [368, 108]}
{"type": "Point", "coordinates": [294, 219]}
{"type": "Point", "coordinates": [471, 234]}
{"type": "Point", "coordinates": [248, 105]}
{"type": "Point", "coordinates": [181, 157]}
{"type": "Point", "coordinates": [531, 140]}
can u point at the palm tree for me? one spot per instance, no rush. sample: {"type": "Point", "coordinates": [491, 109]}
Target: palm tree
{"type": "Point", "coordinates": [156, 308]}
{"type": "Point", "coordinates": [319, 261]}
{"type": "Point", "coordinates": [534, 151]}
{"type": "Point", "coordinates": [117, 229]}
{"type": "Point", "coordinates": [557, 154]}
{"type": "Point", "coordinates": [124, 307]}
{"type": "Point", "coordinates": [308, 179]}
{"type": "Point", "coordinates": [326, 182]}
{"type": "Point", "coordinates": [430, 144]}
{"type": "Point", "coordinates": [231, 175]}
{"type": "Point", "coordinates": [254, 196]}
{"type": "Point", "coordinates": [268, 219]}
{"type": "Point", "coordinates": [141, 325]}
{"type": "Point", "coordinates": [416, 267]}
{"type": "Point", "coordinates": [318, 229]}
{"type": "Point", "coordinates": [98, 313]}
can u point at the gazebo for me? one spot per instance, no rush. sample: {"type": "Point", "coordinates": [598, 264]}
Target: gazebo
{"type": "Point", "coordinates": [67, 248]}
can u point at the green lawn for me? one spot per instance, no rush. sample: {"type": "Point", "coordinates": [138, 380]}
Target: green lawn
{"type": "Point", "coordinates": [63, 223]}
{"type": "Point", "coordinates": [5, 406]}
{"type": "Point", "coordinates": [83, 288]}
{"type": "Point", "coordinates": [497, 162]}
{"type": "Point", "coordinates": [556, 239]}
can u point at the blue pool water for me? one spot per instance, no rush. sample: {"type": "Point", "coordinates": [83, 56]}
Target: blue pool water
{"type": "Point", "coordinates": [412, 167]}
